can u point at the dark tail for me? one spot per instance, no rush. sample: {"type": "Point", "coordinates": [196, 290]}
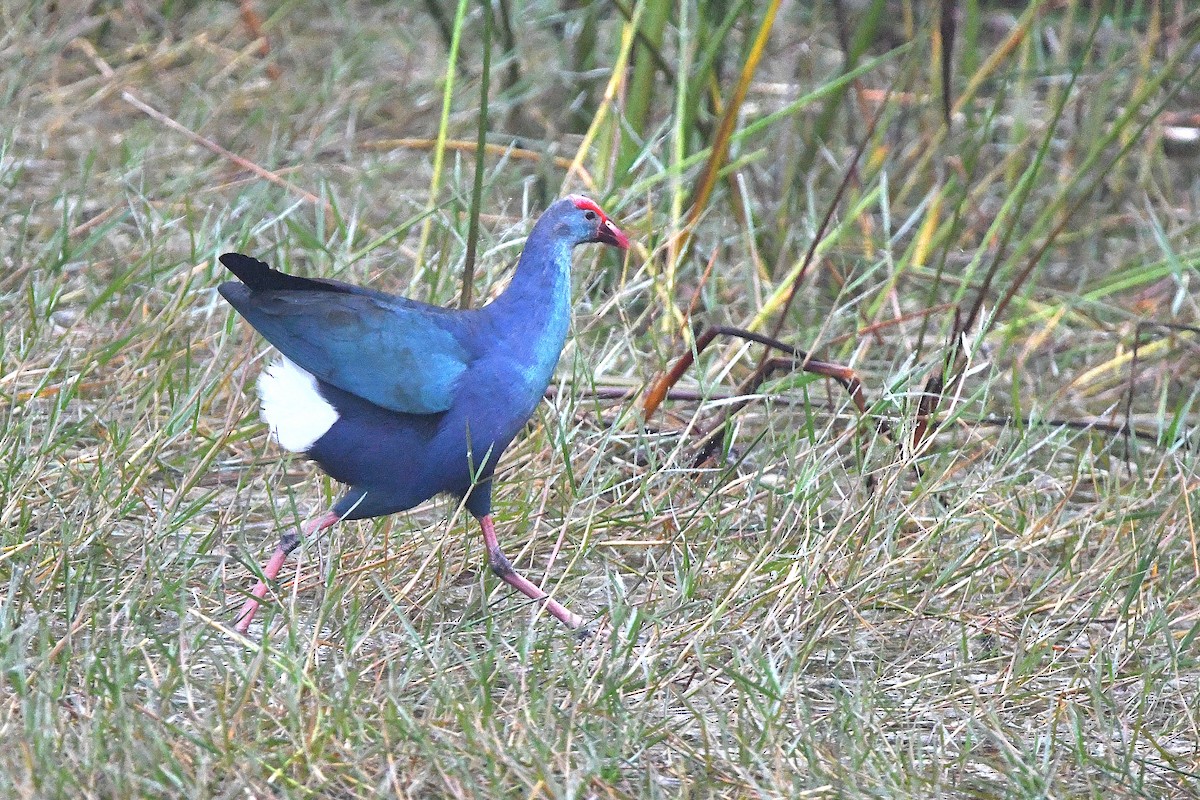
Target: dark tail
{"type": "Point", "coordinates": [261, 278]}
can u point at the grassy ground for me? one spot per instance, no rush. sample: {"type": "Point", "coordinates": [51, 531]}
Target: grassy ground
{"type": "Point", "coordinates": [1005, 609]}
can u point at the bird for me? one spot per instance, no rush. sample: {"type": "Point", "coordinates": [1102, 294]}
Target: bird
{"type": "Point", "coordinates": [400, 400]}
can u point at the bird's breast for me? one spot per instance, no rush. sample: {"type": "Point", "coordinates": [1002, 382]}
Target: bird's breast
{"type": "Point", "coordinates": [535, 354]}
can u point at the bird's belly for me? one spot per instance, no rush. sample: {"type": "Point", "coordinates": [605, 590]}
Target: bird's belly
{"type": "Point", "coordinates": [393, 460]}
{"type": "Point", "coordinates": [400, 460]}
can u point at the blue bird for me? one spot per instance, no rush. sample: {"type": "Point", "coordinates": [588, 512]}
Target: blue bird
{"type": "Point", "coordinates": [401, 400]}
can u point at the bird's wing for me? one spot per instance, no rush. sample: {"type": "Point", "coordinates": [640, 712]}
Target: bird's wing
{"type": "Point", "coordinates": [393, 352]}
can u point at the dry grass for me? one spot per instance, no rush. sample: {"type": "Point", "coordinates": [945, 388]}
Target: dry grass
{"type": "Point", "coordinates": [806, 616]}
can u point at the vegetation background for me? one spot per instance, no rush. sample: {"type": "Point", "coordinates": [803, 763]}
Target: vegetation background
{"type": "Point", "coordinates": [986, 586]}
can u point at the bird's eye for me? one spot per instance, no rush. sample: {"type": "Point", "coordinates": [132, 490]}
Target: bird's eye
{"type": "Point", "coordinates": [589, 215]}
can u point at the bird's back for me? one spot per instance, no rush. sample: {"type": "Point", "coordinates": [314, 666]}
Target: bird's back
{"type": "Point", "coordinates": [398, 353]}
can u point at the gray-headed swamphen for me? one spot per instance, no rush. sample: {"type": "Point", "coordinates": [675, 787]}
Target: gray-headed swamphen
{"type": "Point", "coordinates": [401, 400]}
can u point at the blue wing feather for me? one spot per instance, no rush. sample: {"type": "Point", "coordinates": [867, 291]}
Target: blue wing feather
{"type": "Point", "coordinates": [394, 352]}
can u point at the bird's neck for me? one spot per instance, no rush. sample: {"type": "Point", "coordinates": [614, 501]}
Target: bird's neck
{"type": "Point", "coordinates": [534, 312]}
{"type": "Point", "coordinates": [542, 276]}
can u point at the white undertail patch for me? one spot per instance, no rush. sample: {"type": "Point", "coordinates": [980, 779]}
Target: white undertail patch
{"type": "Point", "coordinates": [293, 406]}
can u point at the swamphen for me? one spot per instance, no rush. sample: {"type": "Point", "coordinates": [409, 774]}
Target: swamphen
{"type": "Point", "coordinates": [402, 400]}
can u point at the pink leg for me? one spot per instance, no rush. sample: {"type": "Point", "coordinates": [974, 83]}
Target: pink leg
{"type": "Point", "coordinates": [504, 570]}
{"type": "Point", "coordinates": [287, 543]}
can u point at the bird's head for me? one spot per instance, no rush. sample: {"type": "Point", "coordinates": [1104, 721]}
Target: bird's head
{"type": "Point", "coordinates": [582, 220]}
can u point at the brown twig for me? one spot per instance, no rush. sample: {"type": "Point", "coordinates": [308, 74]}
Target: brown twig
{"type": "Point", "coordinates": [810, 254]}
{"type": "Point", "coordinates": [135, 101]}
{"type": "Point", "coordinates": [798, 359]}
{"type": "Point", "coordinates": [946, 26]}
{"type": "Point", "coordinates": [766, 366]}
{"type": "Point", "coordinates": [935, 384]}
{"type": "Point", "coordinates": [262, 172]}
{"type": "Point", "coordinates": [464, 146]}
{"type": "Point", "coordinates": [1133, 367]}
{"type": "Point", "coordinates": [254, 24]}
{"type": "Point", "coordinates": [1085, 424]}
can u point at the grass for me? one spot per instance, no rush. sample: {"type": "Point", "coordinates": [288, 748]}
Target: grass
{"type": "Point", "coordinates": [1006, 608]}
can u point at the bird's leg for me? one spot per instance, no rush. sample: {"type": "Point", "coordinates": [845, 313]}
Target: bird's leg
{"type": "Point", "coordinates": [287, 543]}
{"type": "Point", "coordinates": [504, 570]}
